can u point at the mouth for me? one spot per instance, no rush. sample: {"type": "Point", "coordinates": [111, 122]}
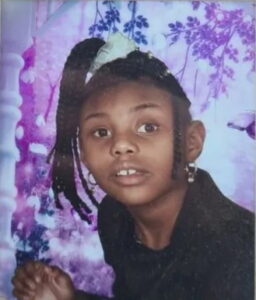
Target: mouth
{"type": "Point", "coordinates": [130, 176]}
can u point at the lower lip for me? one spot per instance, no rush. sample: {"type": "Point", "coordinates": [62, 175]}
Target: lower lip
{"type": "Point", "coordinates": [131, 180]}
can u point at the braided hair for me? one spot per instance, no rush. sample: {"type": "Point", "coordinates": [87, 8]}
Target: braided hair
{"type": "Point", "coordinates": [74, 92]}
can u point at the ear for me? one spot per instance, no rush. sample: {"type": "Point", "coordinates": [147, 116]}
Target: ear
{"type": "Point", "coordinates": [195, 136]}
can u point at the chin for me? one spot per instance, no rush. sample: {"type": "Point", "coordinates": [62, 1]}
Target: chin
{"type": "Point", "coordinates": [130, 197]}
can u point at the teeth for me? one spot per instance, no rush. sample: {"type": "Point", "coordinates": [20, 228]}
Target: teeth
{"type": "Point", "coordinates": [131, 171]}
{"type": "Point", "coordinates": [126, 172]}
{"type": "Point", "coordinates": [122, 173]}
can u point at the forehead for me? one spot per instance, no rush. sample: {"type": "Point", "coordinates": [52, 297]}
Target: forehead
{"type": "Point", "coordinates": [128, 95]}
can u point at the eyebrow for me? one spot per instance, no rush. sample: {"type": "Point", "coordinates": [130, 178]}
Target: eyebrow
{"type": "Point", "coordinates": [144, 106]}
{"type": "Point", "coordinates": [95, 115]}
{"type": "Point", "coordinates": [132, 110]}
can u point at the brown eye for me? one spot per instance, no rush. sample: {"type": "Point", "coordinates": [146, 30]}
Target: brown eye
{"type": "Point", "coordinates": [148, 128]}
{"type": "Point", "coordinates": [102, 132]}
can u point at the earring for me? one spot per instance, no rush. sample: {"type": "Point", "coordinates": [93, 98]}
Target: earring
{"type": "Point", "coordinates": [191, 170]}
{"type": "Point", "coordinates": [150, 54]}
{"type": "Point", "coordinates": [91, 180]}
{"type": "Point", "coordinates": [167, 72]}
{"type": "Point", "coordinates": [77, 132]}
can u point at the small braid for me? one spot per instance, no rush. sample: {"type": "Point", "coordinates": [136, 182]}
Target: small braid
{"type": "Point", "coordinates": [65, 152]}
{"type": "Point", "coordinates": [81, 176]}
{"type": "Point", "coordinates": [177, 141]}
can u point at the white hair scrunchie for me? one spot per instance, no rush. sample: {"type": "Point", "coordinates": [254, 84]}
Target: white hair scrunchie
{"type": "Point", "coordinates": [117, 46]}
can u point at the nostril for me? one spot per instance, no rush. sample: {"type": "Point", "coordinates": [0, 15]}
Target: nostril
{"type": "Point", "coordinates": [117, 152]}
{"type": "Point", "coordinates": [123, 146]}
{"type": "Point", "coordinates": [127, 151]}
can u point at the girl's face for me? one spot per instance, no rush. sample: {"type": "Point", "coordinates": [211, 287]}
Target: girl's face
{"type": "Point", "coordinates": [126, 142]}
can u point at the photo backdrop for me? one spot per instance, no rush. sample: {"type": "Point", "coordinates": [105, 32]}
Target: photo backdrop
{"type": "Point", "coordinates": [208, 46]}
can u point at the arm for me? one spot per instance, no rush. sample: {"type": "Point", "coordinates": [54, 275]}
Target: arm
{"type": "Point", "coordinates": [37, 281]}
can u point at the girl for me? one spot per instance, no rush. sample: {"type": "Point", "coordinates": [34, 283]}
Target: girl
{"type": "Point", "coordinates": [165, 228]}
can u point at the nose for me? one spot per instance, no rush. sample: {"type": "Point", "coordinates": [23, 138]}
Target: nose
{"type": "Point", "coordinates": [122, 145]}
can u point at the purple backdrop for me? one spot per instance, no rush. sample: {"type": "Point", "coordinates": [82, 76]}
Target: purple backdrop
{"type": "Point", "coordinates": [209, 46]}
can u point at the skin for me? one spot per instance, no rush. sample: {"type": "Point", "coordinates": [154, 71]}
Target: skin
{"type": "Point", "coordinates": [37, 281]}
{"type": "Point", "coordinates": [127, 126]}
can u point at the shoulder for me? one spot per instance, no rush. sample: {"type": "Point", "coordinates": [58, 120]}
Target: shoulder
{"type": "Point", "coordinates": [230, 224]}
{"type": "Point", "coordinates": [231, 278]}
{"type": "Point", "coordinates": [232, 274]}
{"type": "Point", "coordinates": [217, 206]}
{"type": "Point", "coordinates": [228, 231]}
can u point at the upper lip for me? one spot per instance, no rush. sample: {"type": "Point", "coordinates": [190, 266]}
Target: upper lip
{"type": "Point", "coordinates": [127, 166]}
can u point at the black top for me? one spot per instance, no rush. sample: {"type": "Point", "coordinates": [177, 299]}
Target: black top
{"type": "Point", "coordinates": [210, 256]}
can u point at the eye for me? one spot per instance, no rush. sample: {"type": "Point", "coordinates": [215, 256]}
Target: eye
{"type": "Point", "coordinates": [102, 133]}
{"type": "Point", "coordinates": [148, 128]}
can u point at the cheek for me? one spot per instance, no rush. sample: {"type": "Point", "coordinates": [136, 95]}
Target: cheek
{"type": "Point", "coordinates": [163, 152]}
{"type": "Point", "coordinates": [85, 155]}
{"type": "Point", "coordinates": [95, 159]}
{"type": "Point", "coordinates": [86, 148]}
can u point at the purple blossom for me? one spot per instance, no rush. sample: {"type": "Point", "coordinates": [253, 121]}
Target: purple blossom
{"type": "Point", "coordinates": [244, 121]}
{"type": "Point", "coordinates": [195, 5]}
{"type": "Point", "coordinates": [211, 40]}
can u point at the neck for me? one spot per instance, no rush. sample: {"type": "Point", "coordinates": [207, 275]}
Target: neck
{"type": "Point", "coordinates": [154, 222]}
